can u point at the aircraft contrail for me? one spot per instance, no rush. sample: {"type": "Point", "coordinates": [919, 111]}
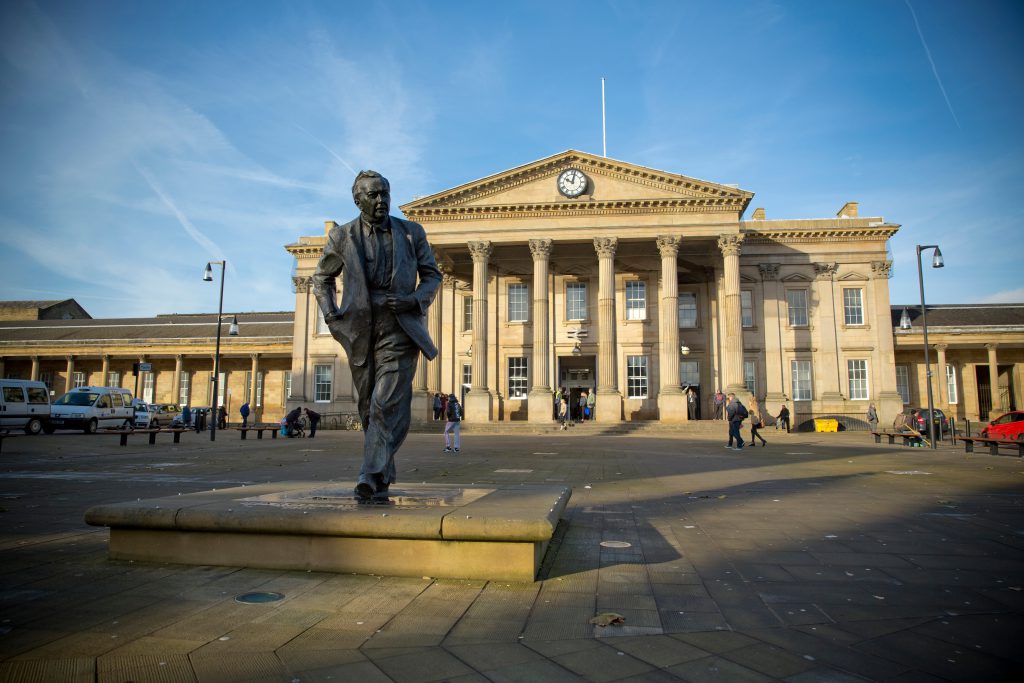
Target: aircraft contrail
{"type": "Point", "coordinates": [935, 71]}
{"type": "Point", "coordinates": [329, 150]}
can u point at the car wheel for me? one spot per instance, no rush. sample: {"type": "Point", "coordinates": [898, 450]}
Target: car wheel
{"type": "Point", "coordinates": [127, 425]}
{"type": "Point", "coordinates": [91, 426]}
{"type": "Point", "coordinates": [34, 426]}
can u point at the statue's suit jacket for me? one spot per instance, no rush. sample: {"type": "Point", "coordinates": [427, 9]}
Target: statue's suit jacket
{"type": "Point", "coordinates": [345, 254]}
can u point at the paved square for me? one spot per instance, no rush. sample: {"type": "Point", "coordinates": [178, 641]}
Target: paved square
{"type": "Point", "coordinates": [821, 557]}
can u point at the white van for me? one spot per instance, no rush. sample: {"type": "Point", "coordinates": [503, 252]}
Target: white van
{"type": "Point", "coordinates": [90, 408]}
{"type": "Point", "coordinates": [24, 404]}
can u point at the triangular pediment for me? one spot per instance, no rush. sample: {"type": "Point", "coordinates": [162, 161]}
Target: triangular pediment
{"type": "Point", "coordinates": [853, 277]}
{"type": "Point", "coordinates": [610, 185]}
{"type": "Point", "coordinates": [796, 277]}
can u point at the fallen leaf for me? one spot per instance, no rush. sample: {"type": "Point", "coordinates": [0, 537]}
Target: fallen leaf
{"type": "Point", "coordinates": [606, 618]}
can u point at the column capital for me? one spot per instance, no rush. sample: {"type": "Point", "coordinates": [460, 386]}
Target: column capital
{"type": "Point", "coordinates": [992, 345]}
{"type": "Point", "coordinates": [480, 251]}
{"type": "Point", "coordinates": [769, 271]}
{"type": "Point", "coordinates": [606, 246]}
{"type": "Point", "coordinates": [668, 245]}
{"type": "Point", "coordinates": [448, 279]}
{"type": "Point", "coordinates": [881, 270]}
{"type": "Point", "coordinates": [254, 356]}
{"type": "Point", "coordinates": [730, 244]}
{"type": "Point", "coordinates": [69, 357]}
{"type": "Point", "coordinates": [825, 271]}
{"type": "Point", "coordinates": [941, 347]}
{"type": "Point", "coordinates": [179, 356]}
{"type": "Point", "coordinates": [541, 248]}
{"type": "Point", "coordinates": [302, 283]}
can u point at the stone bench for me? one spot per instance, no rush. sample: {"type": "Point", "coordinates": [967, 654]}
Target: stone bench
{"type": "Point", "coordinates": [993, 444]}
{"type": "Point", "coordinates": [259, 429]}
{"type": "Point", "coordinates": [125, 433]}
{"type": "Point", "coordinates": [444, 531]}
{"type": "Point", "coordinates": [908, 437]}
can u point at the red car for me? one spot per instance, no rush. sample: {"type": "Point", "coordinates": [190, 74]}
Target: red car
{"type": "Point", "coordinates": [1007, 426]}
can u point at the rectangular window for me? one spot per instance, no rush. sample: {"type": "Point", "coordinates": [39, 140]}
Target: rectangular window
{"type": "Point", "coordinates": [800, 371]}
{"type": "Point", "coordinates": [259, 387]}
{"type": "Point", "coordinates": [636, 376]}
{"type": "Point", "coordinates": [857, 370]}
{"type": "Point", "coordinates": [747, 308]}
{"type": "Point", "coordinates": [37, 395]}
{"type": "Point", "coordinates": [14, 395]}
{"type": "Point", "coordinates": [636, 300]}
{"type": "Point", "coordinates": [287, 385]}
{"type": "Point", "coordinates": [467, 313]}
{"type": "Point", "coordinates": [687, 309]}
{"type": "Point", "coordinates": [576, 301]}
{"type": "Point", "coordinates": [689, 373]}
{"type": "Point", "coordinates": [903, 383]}
{"type": "Point", "coordinates": [750, 376]}
{"type": "Point", "coordinates": [78, 379]}
{"type": "Point", "coordinates": [796, 299]}
{"type": "Point", "coordinates": [853, 306]}
{"type": "Point", "coordinates": [321, 324]}
{"type": "Point", "coordinates": [323, 376]}
{"type": "Point", "coordinates": [185, 387]}
{"type": "Point", "coordinates": [518, 295]}
{"type": "Point", "coordinates": [517, 382]}
{"type": "Point", "coordinates": [222, 388]}
{"type": "Point", "coordinates": [951, 385]}
{"type": "Point", "coordinates": [148, 387]}
{"type": "Point", "coordinates": [467, 374]}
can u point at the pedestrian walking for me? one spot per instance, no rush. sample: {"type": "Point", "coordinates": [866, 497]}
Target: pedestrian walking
{"type": "Point", "coordinates": [222, 418]}
{"type": "Point", "coordinates": [756, 423]}
{"type": "Point", "coordinates": [563, 410]}
{"type": "Point", "coordinates": [719, 405]}
{"type": "Point", "coordinates": [873, 417]}
{"type": "Point", "coordinates": [313, 418]}
{"type": "Point", "coordinates": [453, 425]}
{"type": "Point", "coordinates": [783, 419]}
{"type": "Point", "coordinates": [735, 412]}
{"type": "Point", "coordinates": [244, 412]}
{"type": "Point", "coordinates": [437, 406]}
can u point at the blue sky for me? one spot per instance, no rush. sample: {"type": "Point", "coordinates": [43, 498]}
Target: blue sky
{"type": "Point", "coordinates": [142, 139]}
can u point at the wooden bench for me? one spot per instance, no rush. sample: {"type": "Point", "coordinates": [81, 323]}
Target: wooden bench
{"type": "Point", "coordinates": [259, 429]}
{"type": "Point", "coordinates": [908, 437]}
{"type": "Point", "coordinates": [993, 444]}
{"type": "Point", "coordinates": [125, 433]}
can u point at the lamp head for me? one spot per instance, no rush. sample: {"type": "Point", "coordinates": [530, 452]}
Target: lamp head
{"type": "Point", "coordinates": [937, 261]}
{"type": "Point", "coordinates": [233, 330]}
{"type": "Point", "coordinates": [684, 350]}
{"type": "Point", "coordinates": [208, 273]}
{"type": "Point", "coordinates": [905, 320]}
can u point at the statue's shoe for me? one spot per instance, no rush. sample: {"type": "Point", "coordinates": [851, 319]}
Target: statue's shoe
{"type": "Point", "coordinates": [364, 490]}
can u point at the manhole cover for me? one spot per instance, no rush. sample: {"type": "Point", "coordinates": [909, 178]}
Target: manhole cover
{"type": "Point", "coordinates": [257, 598]}
{"type": "Point", "coordinates": [616, 544]}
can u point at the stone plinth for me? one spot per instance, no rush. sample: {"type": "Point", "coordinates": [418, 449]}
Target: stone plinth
{"type": "Point", "coordinates": [446, 531]}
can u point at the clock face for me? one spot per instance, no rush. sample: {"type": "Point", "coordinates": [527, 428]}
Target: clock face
{"type": "Point", "coordinates": [572, 182]}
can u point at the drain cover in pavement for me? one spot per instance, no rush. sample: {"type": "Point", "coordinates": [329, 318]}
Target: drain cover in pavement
{"type": "Point", "coordinates": [616, 544]}
{"type": "Point", "coordinates": [258, 598]}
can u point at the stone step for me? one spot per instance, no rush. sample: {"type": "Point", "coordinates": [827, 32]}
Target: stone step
{"type": "Point", "coordinates": [650, 427]}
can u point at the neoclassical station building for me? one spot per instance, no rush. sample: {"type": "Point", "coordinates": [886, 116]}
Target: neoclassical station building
{"type": "Point", "coordinates": [589, 274]}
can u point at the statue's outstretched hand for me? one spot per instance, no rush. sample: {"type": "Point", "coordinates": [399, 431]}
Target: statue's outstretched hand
{"type": "Point", "coordinates": [400, 303]}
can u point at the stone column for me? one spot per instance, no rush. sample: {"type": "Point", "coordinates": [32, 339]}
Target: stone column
{"type": "Point", "coordinates": [35, 369]}
{"type": "Point", "coordinates": [943, 393]}
{"type": "Point", "coordinates": [479, 400]}
{"type": "Point", "coordinates": [254, 372]}
{"type": "Point", "coordinates": [540, 392]}
{"type": "Point", "coordinates": [69, 381]}
{"type": "Point", "coordinates": [105, 371]}
{"type": "Point", "coordinates": [888, 400]}
{"type": "Point", "coordinates": [993, 374]}
{"type": "Point", "coordinates": [176, 389]}
{"type": "Point", "coordinates": [732, 317]}
{"type": "Point", "coordinates": [435, 325]}
{"type": "Point", "coordinates": [775, 385]}
{"type": "Point", "coordinates": [825, 373]}
{"type": "Point", "coordinates": [609, 400]}
{"type": "Point", "coordinates": [671, 400]}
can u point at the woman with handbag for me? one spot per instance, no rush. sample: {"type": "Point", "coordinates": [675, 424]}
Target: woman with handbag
{"type": "Point", "coordinates": [756, 422]}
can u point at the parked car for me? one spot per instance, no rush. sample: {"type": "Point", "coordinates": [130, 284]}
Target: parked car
{"type": "Point", "coordinates": [89, 408]}
{"type": "Point", "coordinates": [163, 414]}
{"type": "Point", "coordinates": [1007, 426]}
{"type": "Point", "coordinates": [941, 422]}
{"type": "Point", "coordinates": [24, 404]}
{"type": "Point", "coordinates": [143, 415]}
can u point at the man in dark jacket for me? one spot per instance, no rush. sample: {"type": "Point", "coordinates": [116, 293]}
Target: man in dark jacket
{"type": "Point", "coordinates": [314, 420]}
{"type": "Point", "coordinates": [735, 412]}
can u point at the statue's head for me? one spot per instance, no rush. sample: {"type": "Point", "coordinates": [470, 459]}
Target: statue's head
{"type": "Point", "coordinates": [372, 194]}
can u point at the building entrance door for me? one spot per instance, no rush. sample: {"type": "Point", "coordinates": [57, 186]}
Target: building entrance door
{"type": "Point", "coordinates": [577, 374]}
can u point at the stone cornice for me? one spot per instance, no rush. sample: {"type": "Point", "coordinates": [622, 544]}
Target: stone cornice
{"type": "Point", "coordinates": [819, 234]}
{"type": "Point", "coordinates": [500, 182]}
{"type": "Point", "coordinates": [302, 250]}
{"type": "Point", "coordinates": [576, 208]}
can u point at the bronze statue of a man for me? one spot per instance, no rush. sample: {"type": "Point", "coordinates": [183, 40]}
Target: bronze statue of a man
{"type": "Point", "coordinates": [389, 277]}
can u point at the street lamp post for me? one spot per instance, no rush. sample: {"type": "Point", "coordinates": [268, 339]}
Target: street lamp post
{"type": "Point", "coordinates": [936, 263]}
{"type": "Point", "coordinates": [233, 331]}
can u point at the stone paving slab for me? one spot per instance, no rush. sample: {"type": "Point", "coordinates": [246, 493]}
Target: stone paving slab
{"type": "Point", "coordinates": [818, 558]}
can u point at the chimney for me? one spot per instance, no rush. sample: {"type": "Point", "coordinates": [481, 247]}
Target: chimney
{"type": "Point", "coordinates": [758, 214]}
{"type": "Point", "coordinates": [849, 210]}
{"type": "Point", "coordinates": [327, 227]}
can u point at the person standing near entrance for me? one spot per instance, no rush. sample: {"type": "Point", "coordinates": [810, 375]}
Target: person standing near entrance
{"type": "Point", "coordinates": [453, 425]}
{"type": "Point", "coordinates": [873, 417]}
{"type": "Point", "coordinates": [592, 404]}
{"type": "Point", "coordinates": [735, 413]}
{"type": "Point", "coordinates": [437, 407]}
{"type": "Point", "coordinates": [783, 418]}
{"type": "Point", "coordinates": [581, 416]}
{"type": "Point", "coordinates": [719, 404]}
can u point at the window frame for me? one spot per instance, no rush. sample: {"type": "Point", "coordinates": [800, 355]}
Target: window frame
{"type": "Point", "coordinates": [796, 380]}
{"type": "Point", "coordinates": [571, 303]}
{"type": "Point", "coordinates": [147, 386]}
{"type": "Point", "coordinates": [952, 388]}
{"type": "Point", "coordinates": [803, 291]}
{"type": "Point", "coordinates": [747, 309]}
{"type": "Point", "coordinates": [518, 377]}
{"type": "Point", "coordinates": [78, 379]}
{"type": "Point", "coordinates": [903, 388]}
{"type": "Point", "coordinates": [682, 378]}
{"type": "Point", "coordinates": [522, 306]}
{"type": "Point", "coordinates": [696, 311]}
{"type": "Point", "coordinates": [185, 387]}
{"type": "Point", "coordinates": [635, 293]}
{"type": "Point", "coordinates": [863, 385]}
{"type": "Point", "coordinates": [320, 328]}
{"type": "Point", "coordinates": [323, 382]}
{"type": "Point", "coordinates": [750, 375]}
{"type": "Point", "coordinates": [637, 377]}
{"type": "Point", "coordinates": [467, 312]}
{"type": "Point", "coordinates": [854, 308]}
{"type": "Point", "coordinates": [467, 375]}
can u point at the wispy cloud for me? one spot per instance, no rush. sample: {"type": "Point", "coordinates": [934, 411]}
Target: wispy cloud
{"type": "Point", "coordinates": [931, 61]}
{"type": "Point", "coordinates": [202, 240]}
{"type": "Point", "coordinates": [328, 149]}
{"type": "Point", "coordinates": [1007, 296]}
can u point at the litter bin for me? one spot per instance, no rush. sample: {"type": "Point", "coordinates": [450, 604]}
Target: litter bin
{"type": "Point", "coordinates": [826, 425]}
